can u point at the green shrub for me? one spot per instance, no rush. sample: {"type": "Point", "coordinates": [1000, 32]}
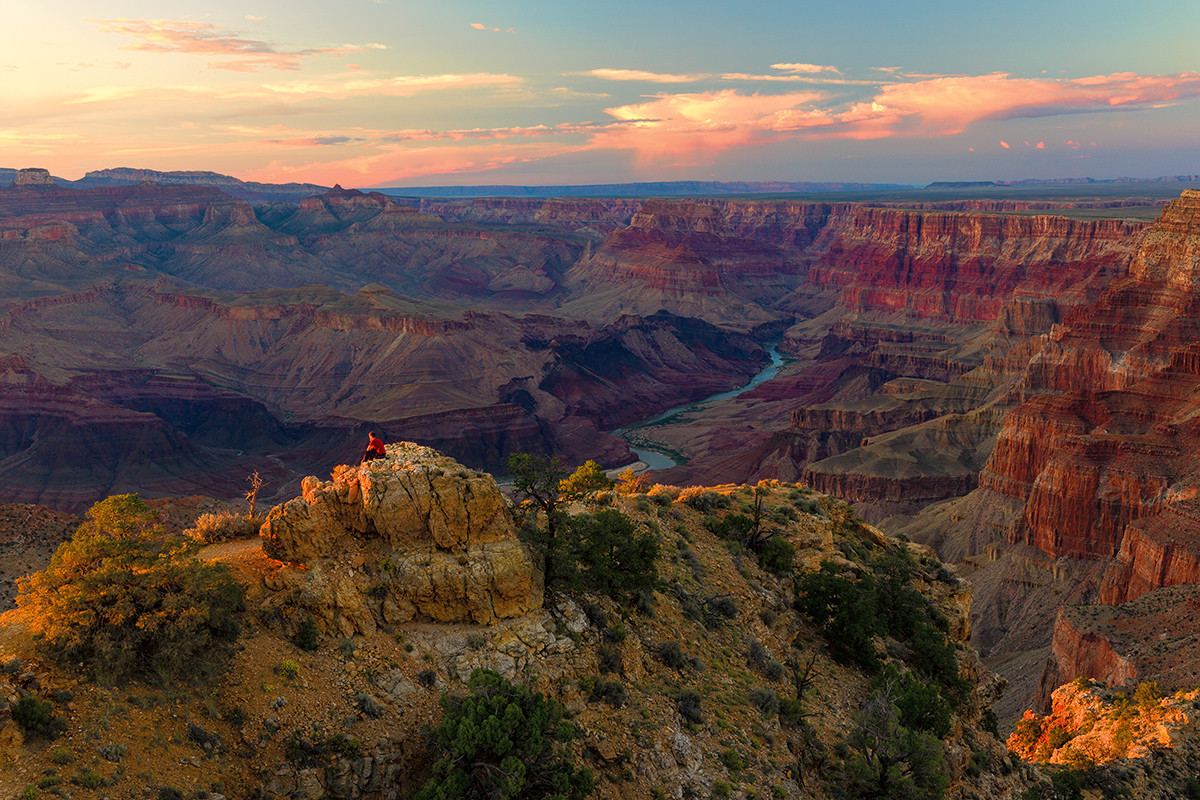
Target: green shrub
{"type": "Point", "coordinates": [611, 692]}
{"type": "Point", "coordinates": [1147, 696]}
{"type": "Point", "coordinates": [844, 610]}
{"type": "Point", "coordinates": [61, 755]}
{"type": "Point", "coordinates": [920, 703]}
{"type": "Point", "coordinates": [503, 741]}
{"type": "Point", "coordinates": [731, 526]}
{"type": "Point", "coordinates": [703, 500]}
{"type": "Point", "coordinates": [88, 779]}
{"type": "Point", "coordinates": [887, 761]}
{"type": "Point", "coordinates": [609, 554]}
{"type": "Point", "coordinates": [777, 556]}
{"type": "Point", "coordinates": [36, 717]}
{"type": "Point", "coordinates": [989, 721]}
{"type": "Point", "coordinates": [289, 669]}
{"type": "Point", "coordinates": [609, 659]}
{"type": "Point", "coordinates": [308, 636]}
{"type": "Point", "coordinates": [129, 601]}
{"type": "Point", "coordinates": [733, 760]}
{"type": "Point", "coordinates": [791, 711]}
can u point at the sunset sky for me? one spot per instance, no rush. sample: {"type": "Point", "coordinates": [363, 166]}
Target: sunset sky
{"type": "Point", "coordinates": [394, 93]}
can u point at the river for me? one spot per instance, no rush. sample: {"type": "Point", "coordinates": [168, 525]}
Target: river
{"type": "Point", "coordinates": [660, 458]}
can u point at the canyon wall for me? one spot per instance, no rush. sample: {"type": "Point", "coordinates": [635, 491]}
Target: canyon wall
{"type": "Point", "coordinates": [1099, 464]}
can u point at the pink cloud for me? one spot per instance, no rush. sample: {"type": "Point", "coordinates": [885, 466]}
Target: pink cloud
{"type": "Point", "coordinates": [479, 26]}
{"type": "Point", "coordinates": [409, 162]}
{"type": "Point", "coordinates": [208, 39]}
{"type": "Point", "coordinates": [940, 106]}
{"type": "Point", "coordinates": [808, 69]}
{"type": "Point", "coordinates": [949, 105]}
{"type": "Point", "coordinates": [642, 75]}
{"type": "Point", "coordinates": [1005, 145]}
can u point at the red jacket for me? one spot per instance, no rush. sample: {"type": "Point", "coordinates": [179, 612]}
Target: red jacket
{"type": "Point", "coordinates": [376, 444]}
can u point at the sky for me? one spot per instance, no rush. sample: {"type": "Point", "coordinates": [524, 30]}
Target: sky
{"type": "Point", "coordinates": [465, 92]}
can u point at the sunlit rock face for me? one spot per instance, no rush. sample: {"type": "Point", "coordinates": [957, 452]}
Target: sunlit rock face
{"type": "Point", "coordinates": [415, 535]}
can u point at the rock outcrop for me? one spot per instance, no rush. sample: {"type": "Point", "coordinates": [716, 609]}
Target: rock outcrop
{"type": "Point", "coordinates": [413, 536]}
{"type": "Point", "coordinates": [1089, 725]}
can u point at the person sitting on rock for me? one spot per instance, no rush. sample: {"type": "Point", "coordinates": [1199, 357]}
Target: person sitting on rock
{"type": "Point", "coordinates": [374, 448]}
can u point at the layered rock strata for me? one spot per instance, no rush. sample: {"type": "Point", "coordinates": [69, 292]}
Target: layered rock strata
{"type": "Point", "coordinates": [1155, 637]}
{"type": "Point", "coordinates": [412, 536]}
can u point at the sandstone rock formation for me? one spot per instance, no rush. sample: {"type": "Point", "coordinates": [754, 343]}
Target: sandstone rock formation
{"type": "Point", "coordinates": [1086, 726]}
{"type": "Point", "coordinates": [414, 535]}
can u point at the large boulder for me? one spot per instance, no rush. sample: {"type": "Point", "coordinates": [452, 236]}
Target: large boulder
{"type": "Point", "coordinates": [411, 536]}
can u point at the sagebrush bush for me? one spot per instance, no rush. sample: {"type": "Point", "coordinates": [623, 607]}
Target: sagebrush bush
{"type": "Point", "coordinates": [663, 494]}
{"type": "Point", "coordinates": [129, 601]}
{"type": "Point", "coordinates": [223, 526]}
{"type": "Point", "coordinates": [766, 701]}
{"type": "Point", "coordinates": [671, 654]}
{"type": "Point", "coordinates": [702, 499]}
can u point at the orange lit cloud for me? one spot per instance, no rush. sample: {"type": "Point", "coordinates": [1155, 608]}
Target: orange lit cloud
{"type": "Point", "coordinates": [395, 86]}
{"type": "Point", "coordinates": [208, 39]}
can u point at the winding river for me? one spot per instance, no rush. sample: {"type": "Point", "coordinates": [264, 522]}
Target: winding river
{"type": "Point", "coordinates": [658, 458]}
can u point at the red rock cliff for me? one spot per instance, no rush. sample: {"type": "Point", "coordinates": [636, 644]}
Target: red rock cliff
{"type": "Point", "coordinates": [1110, 423]}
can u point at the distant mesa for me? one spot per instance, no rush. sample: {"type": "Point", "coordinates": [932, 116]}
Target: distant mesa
{"type": "Point", "coordinates": [961, 184]}
{"type": "Point", "coordinates": [249, 191]}
{"type": "Point", "coordinates": [33, 176]}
